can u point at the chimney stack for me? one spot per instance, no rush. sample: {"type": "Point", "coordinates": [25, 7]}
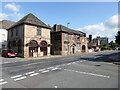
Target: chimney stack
{"type": "Point", "coordinates": [55, 27]}
{"type": "Point", "coordinates": [90, 38]}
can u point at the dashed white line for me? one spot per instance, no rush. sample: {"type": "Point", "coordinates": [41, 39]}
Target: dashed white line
{"type": "Point", "coordinates": [45, 71]}
{"type": "Point", "coordinates": [50, 67]}
{"type": "Point", "coordinates": [20, 78]}
{"type": "Point", "coordinates": [34, 74]}
{"type": "Point", "coordinates": [55, 68]}
{"type": "Point", "coordinates": [3, 83]}
{"type": "Point", "coordinates": [42, 70]}
{"type": "Point", "coordinates": [1, 80]}
{"type": "Point", "coordinates": [30, 72]}
{"type": "Point", "coordinates": [16, 76]}
{"type": "Point", "coordinates": [35, 63]}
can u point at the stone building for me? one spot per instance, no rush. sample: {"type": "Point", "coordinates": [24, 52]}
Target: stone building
{"type": "Point", "coordinates": [29, 37]}
{"type": "Point", "coordinates": [66, 41]}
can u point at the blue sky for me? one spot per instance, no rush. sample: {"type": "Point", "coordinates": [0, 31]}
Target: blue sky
{"type": "Point", "coordinates": [79, 14]}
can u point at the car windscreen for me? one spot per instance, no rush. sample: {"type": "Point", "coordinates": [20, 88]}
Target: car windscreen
{"type": "Point", "coordinates": [10, 51]}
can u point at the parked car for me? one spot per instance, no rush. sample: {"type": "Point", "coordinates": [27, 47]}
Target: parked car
{"type": "Point", "coordinates": [95, 50]}
{"type": "Point", "coordinates": [8, 53]}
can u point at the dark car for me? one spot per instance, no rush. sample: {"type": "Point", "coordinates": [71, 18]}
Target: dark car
{"type": "Point", "coordinates": [8, 53]}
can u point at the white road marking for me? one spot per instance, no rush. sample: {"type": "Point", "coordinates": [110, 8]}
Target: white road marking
{"type": "Point", "coordinates": [55, 86]}
{"type": "Point", "coordinates": [88, 73]}
{"type": "Point", "coordinates": [55, 68]}
{"type": "Point", "coordinates": [50, 67]}
{"type": "Point", "coordinates": [45, 71]}
{"type": "Point", "coordinates": [58, 66]}
{"type": "Point", "coordinates": [73, 63]}
{"type": "Point", "coordinates": [34, 74]}
{"type": "Point", "coordinates": [30, 72]}
{"type": "Point", "coordinates": [42, 70]}
{"type": "Point", "coordinates": [35, 63]}
{"type": "Point", "coordinates": [81, 61]}
{"type": "Point", "coordinates": [6, 62]}
{"type": "Point", "coordinates": [3, 83]}
{"type": "Point", "coordinates": [1, 80]}
{"type": "Point", "coordinates": [20, 78]}
{"type": "Point", "coordinates": [16, 76]}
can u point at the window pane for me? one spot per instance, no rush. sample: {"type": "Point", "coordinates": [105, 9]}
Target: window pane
{"type": "Point", "coordinates": [66, 37]}
{"type": "Point", "coordinates": [73, 38]}
{"type": "Point", "coordinates": [38, 31]}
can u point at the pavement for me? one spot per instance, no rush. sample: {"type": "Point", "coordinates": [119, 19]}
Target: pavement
{"type": "Point", "coordinates": [76, 71]}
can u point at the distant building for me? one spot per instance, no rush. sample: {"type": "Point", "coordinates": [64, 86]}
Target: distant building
{"type": "Point", "coordinates": [66, 41]}
{"type": "Point", "coordinates": [29, 37]}
{"type": "Point", "coordinates": [97, 42]}
{"type": "Point", "coordinates": [4, 24]}
{"type": "Point", "coordinates": [103, 40]}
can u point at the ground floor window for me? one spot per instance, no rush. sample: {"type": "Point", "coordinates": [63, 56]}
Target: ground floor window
{"type": "Point", "coordinates": [66, 48]}
{"type": "Point", "coordinates": [3, 46]}
{"type": "Point", "coordinates": [78, 47]}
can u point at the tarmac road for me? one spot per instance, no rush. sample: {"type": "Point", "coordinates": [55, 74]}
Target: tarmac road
{"type": "Point", "coordinates": [77, 71]}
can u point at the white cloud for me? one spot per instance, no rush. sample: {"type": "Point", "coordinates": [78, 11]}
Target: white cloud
{"type": "Point", "coordinates": [3, 16]}
{"type": "Point", "coordinates": [108, 28]}
{"type": "Point", "coordinates": [14, 7]}
{"type": "Point", "coordinates": [17, 16]}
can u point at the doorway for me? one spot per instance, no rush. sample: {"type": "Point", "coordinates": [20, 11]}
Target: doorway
{"type": "Point", "coordinates": [43, 48]}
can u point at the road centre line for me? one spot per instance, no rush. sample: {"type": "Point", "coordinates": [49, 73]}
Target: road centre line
{"type": "Point", "coordinates": [30, 72]}
{"type": "Point", "coordinates": [88, 73]}
{"type": "Point", "coordinates": [35, 63]}
{"type": "Point", "coordinates": [20, 78]}
{"type": "Point", "coordinates": [3, 83]}
{"type": "Point", "coordinates": [42, 70]}
{"type": "Point", "coordinates": [34, 74]}
{"type": "Point", "coordinates": [55, 68]}
{"type": "Point", "coordinates": [45, 71]}
{"type": "Point", "coordinates": [1, 80]}
{"type": "Point", "coordinates": [16, 76]}
{"type": "Point", "coordinates": [50, 67]}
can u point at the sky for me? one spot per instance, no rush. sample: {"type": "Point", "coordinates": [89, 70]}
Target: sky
{"type": "Point", "coordinates": [96, 18]}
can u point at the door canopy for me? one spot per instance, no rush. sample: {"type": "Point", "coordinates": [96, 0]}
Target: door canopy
{"type": "Point", "coordinates": [33, 43]}
{"type": "Point", "coordinates": [43, 44]}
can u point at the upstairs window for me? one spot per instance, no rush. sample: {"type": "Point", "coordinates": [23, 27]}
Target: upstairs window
{"type": "Point", "coordinates": [38, 31]}
{"type": "Point", "coordinates": [17, 31]}
{"type": "Point", "coordinates": [66, 37]}
{"type": "Point", "coordinates": [73, 38]}
{"type": "Point", "coordinates": [83, 40]}
{"type": "Point", "coordinates": [11, 33]}
{"type": "Point", "coordinates": [78, 47]}
{"type": "Point", "coordinates": [78, 38]}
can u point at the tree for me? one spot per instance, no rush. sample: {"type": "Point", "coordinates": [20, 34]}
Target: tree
{"type": "Point", "coordinates": [113, 45]}
{"type": "Point", "coordinates": [118, 38]}
{"type": "Point", "coordinates": [105, 46]}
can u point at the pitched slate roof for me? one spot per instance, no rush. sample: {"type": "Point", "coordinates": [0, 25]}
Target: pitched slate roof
{"type": "Point", "coordinates": [65, 29]}
{"type": "Point", "coordinates": [30, 19]}
{"type": "Point", "coordinates": [5, 24]}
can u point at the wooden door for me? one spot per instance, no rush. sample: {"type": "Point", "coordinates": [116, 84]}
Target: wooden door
{"type": "Point", "coordinates": [31, 52]}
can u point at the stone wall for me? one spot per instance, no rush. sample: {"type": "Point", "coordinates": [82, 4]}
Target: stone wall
{"type": "Point", "coordinates": [31, 34]}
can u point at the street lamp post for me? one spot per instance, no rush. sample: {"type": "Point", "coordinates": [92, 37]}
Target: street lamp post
{"type": "Point", "coordinates": [68, 38]}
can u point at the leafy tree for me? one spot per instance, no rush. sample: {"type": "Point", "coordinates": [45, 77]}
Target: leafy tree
{"type": "Point", "coordinates": [105, 46]}
{"type": "Point", "coordinates": [118, 38]}
{"type": "Point", "coordinates": [113, 45]}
